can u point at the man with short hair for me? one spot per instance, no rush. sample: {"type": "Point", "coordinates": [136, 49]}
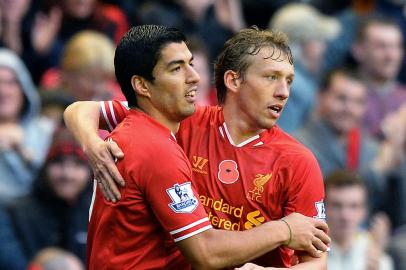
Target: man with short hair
{"type": "Point", "coordinates": [379, 52]}
{"type": "Point", "coordinates": [352, 247]}
{"type": "Point", "coordinates": [247, 171]}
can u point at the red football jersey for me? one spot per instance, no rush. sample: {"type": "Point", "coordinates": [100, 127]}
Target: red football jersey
{"type": "Point", "coordinates": [158, 207]}
{"type": "Point", "coordinates": [242, 186]}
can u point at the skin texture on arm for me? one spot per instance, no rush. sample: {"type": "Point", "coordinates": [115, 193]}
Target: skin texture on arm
{"type": "Point", "coordinates": [219, 248]}
{"type": "Point", "coordinates": [214, 249]}
{"type": "Point", "coordinates": [82, 119]}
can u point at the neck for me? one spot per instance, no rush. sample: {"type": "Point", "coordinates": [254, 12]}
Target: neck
{"type": "Point", "coordinates": [147, 108]}
{"type": "Point", "coordinates": [375, 82]}
{"type": "Point", "coordinates": [239, 125]}
{"type": "Point", "coordinates": [344, 243]}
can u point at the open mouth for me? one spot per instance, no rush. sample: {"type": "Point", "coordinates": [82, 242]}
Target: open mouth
{"type": "Point", "coordinates": [191, 94]}
{"type": "Point", "coordinates": [275, 108]}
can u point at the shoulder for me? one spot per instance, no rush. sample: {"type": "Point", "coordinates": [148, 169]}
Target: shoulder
{"type": "Point", "coordinates": [290, 147]}
{"type": "Point", "coordinates": [204, 114]}
{"type": "Point", "coordinates": [147, 146]}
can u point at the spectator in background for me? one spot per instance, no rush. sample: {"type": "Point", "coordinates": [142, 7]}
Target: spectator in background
{"type": "Point", "coordinates": [392, 165]}
{"type": "Point", "coordinates": [53, 23]}
{"type": "Point", "coordinates": [11, 253]}
{"type": "Point", "coordinates": [206, 93]}
{"type": "Point", "coordinates": [378, 50]}
{"type": "Point", "coordinates": [308, 31]}
{"type": "Point", "coordinates": [213, 21]}
{"type": "Point", "coordinates": [397, 248]}
{"type": "Point", "coordinates": [53, 105]}
{"type": "Point", "coordinates": [334, 135]}
{"type": "Point", "coordinates": [55, 259]}
{"type": "Point", "coordinates": [24, 135]}
{"type": "Point", "coordinates": [55, 213]}
{"type": "Point", "coordinates": [11, 23]}
{"type": "Point", "coordinates": [87, 70]}
{"type": "Point", "coordinates": [352, 247]}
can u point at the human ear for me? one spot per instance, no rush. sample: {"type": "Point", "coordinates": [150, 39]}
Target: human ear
{"type": "Point", "coordinates": [232, 80]}
{"type": "Point", "coordinates": [140, 86]}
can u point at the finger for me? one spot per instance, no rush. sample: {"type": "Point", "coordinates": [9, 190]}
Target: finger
{"type": "Point", "coordinates": [323, 237]}
{"type": "Point", "coordinates": [314, 252]}
{"type": "Point", "coordinates": [115, 175]}
{"type": "Point", "coordinates": [101, 177]}
{"type": "Point", "coordinates": [105, 182]}
{"type": "Point", "coordinates": [317, 243]}
{"type": "Point", "coordinates": [115, 150]}
{"type": "Point", "coordinates": [102, 190]}
{"type": "Point", "coordinates": [117, 154]}
{"type": "Point", "coordinates": [112, 187]}
{"type": "Point", "coordinates": [320, 224]}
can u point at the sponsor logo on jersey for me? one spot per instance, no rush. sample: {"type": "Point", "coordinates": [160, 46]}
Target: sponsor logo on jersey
{"type": "Point", "coordinates": [183, 198]}
{"type": "Point", "coordinates": [256, 193]}
{"type": "Point", "coordinates": [199, 164]}
{"type": "Point", "coordinates": [321, 211]}
{"type": "Point", "coordinates": [254, 219]}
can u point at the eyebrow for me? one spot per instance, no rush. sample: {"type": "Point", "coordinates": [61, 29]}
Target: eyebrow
{"type": "Point", "coordinates": [177, 62]}
{"type": "Point", "coordinates": [281, 73]}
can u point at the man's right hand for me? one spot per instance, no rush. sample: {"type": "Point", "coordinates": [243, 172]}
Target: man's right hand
{"type": "Point", "coordinates": [102, 155]}
{"type": "Point", "coordinates": [307, 234]}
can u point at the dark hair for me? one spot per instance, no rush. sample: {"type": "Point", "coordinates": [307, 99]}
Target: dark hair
{"type": "Point", "coordinates": [346, 71]}
{"type": "Point", "coordinates": [138, 52]}
{"type": "Point", "coordinates": [343, 178]}
{"type": "Point", "coordinates": [365, 22]}
{"type": "Point", "coordinates": [248, 42]}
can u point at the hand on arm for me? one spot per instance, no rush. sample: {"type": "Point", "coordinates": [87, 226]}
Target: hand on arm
{"type": "Point", "coordinates": [82, 119]}
{"type": "Point", "coordinates": [307, 234]}
{"type": "Point", "coordinates": [219, 248]}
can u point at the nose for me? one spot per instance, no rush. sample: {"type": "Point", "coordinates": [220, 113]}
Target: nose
{"type": "Point", "coordinates": [192, 77]}
{"type": "Point", "coordinates": [282, 90]}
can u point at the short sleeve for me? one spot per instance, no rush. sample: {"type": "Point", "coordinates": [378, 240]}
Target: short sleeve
{"type": "Point", "coordinates": [170, 193]}
{"type": "Point", "coordinates": [306, 188]}
{"type": "Point", "coordinates": [113, 112]}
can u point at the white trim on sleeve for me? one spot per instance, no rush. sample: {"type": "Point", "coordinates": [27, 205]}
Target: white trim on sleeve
{"type": "Point", "coordinates": [112, 113]}
{"type": "Point", "coordinates": [103, 108]}
{"type": "Point", "coordinates": [193, 233]}
{"type": "Point", "coordinates": [189, 226]}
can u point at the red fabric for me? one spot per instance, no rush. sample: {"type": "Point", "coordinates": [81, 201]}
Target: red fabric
{"type": "Point", "coordinates": [158, 205]}
{"type": "Point", "coordinates": [353, 149]}
{"type": "Point", "coordinates": [242, 187]}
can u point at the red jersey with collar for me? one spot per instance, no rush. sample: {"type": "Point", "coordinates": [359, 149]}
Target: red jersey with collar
{"type": "Point", "coordinates": [242, 186]}
{"type": "Point", "coordinates": [158, 207]}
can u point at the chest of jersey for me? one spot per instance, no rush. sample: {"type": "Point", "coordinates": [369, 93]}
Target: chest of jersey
{"type": "Point", "coordinates": [240, 187]}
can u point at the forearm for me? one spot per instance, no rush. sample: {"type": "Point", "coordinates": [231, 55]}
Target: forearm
{"type": "Point", "coordinates": [310, 263]}
{"type": "Point", "coordinates": [219, 249]}
{"type": "Point", "coordinates": [82, 119]}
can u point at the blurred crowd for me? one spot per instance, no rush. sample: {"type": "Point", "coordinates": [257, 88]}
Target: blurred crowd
{"type": "Point", "coordinates": [347, 104]}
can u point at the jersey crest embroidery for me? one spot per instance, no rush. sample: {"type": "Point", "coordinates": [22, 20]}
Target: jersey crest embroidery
{"type": "Point", "coordinates": [256, 193]}
{"type": "Point", "coordinates": [183, 198]}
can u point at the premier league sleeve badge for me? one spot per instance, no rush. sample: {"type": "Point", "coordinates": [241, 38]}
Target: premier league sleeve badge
{"type": "Point", "coordinates": [183, 198]}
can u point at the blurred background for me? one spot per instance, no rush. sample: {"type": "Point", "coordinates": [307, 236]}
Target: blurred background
{"type": "Point", "coordinates": [347, 104]}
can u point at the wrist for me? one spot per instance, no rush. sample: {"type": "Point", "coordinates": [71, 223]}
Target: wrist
{"type": "Point", "coordinates": [279, 232]}
{"type": "Point", "coordinates": [88, 140]}
{"type": "Point", "coordinates": [286, 224]}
